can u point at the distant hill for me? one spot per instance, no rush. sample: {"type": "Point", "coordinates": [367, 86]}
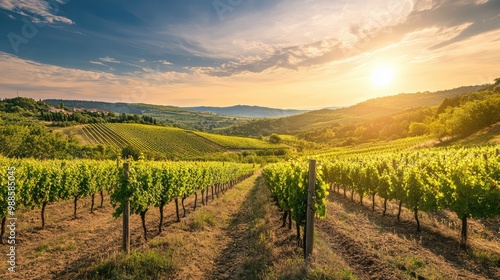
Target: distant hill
{"type": "Point", "coordinates": [372, 108]}
{"type": "Point", "coordinates": [224, 120]}
{"type": "Point", "coordinates": [332, 108]}
{"type": "Point", "coordinates": [248, 111]}
{"type": "Point", "coordinates": [171, 115]}
{"type": "Point", "coordinates": [395, 103]}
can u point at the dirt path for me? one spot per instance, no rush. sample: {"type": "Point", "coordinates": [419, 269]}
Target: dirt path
{"type": "Point", "coordinates": [246, 250]}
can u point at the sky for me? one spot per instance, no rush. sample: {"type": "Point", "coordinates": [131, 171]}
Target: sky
{"type": "Point", "coordinates": [275, 53]}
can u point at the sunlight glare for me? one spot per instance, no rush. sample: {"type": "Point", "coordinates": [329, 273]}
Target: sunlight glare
{"type": "Point", "coordinates": [382, 76]}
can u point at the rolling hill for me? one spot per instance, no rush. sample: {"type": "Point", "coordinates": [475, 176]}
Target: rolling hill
{"type": "Point", "coordinates": [248, 111]}
{"type": "Point", "coordinates": [372, 108]}
{"type": "Point", "coordinates": [171, 115]}
{"type": "Point", "coordinates": [175, 143]}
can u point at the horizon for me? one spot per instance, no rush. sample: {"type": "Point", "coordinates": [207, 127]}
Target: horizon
{"type": "Point", "coordinates": [330, 107]}
{"type": "Point", "coordinates": [276, 54]}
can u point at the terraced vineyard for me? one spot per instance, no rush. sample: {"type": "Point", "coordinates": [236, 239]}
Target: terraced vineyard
{"type": "Point", "coordinates": [173, 142]}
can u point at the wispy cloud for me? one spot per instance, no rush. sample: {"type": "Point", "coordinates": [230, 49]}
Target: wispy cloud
{"type": "Point", "coordinates": [277, 38]}
{"type": "Point", "coordinates": [164, 62]}
{"type": "Point", "coordinates": [68, 82]}
{"type": "Point", "coordinates": [38, 11]}
{"type": "Point", "coordinates": [109, 59]}
{"type": "Point", "coordinates": [453, 22]}
{"type": "Point", "coordinates": [262, 51]}
{"type": "Point", "coordinates": [97, 62]}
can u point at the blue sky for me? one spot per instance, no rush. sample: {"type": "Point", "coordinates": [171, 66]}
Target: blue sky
{"type": "Point", "coordinates": [290, 54]}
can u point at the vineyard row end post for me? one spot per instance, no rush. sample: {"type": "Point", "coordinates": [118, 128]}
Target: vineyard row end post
{"type": "Point", "coordinates": [126, 214]}
{"type": "Point", "coordinates": [309, 230]}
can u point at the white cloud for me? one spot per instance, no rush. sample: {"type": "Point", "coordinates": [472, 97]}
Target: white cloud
{"type": "Point", "coordinates": [142, 60]}
{"type": "Point", "coordinates": [164, 62]}
{"type": "Point", "coordinates": [38, 11]}
{"type": "Point", "coordinates": [97, 62]}
{"type": "Point", "coordinates": [50, 81]}
{"type": "Point", "coordinates": [109, 59]}
{"type": "Point", "coordinates": [278, 37]}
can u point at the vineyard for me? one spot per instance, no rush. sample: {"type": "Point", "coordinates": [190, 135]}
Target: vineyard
{"type": "Point", "coordinates": [398, 145]}
{"type": "Point", "coordinates": [174, 142]}
{"type": "Point", "coordinates": [171, 141]}
{"type": "Point", "coordinates": [465, 181]}
{"type": "Point", "coordinates": [149, 184]}
{"type": "Point", "coordinates": [402, 181]}
{"type": "Point", "coordinates": [250, 140]}
{"type": "Point", "coordinates": [288, 183]}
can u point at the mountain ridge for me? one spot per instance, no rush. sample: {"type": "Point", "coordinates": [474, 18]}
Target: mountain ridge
{"type": "Point", "coordinates": [248, 111]}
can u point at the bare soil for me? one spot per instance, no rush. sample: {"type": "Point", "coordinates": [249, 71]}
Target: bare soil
{"type": "Point", "coordinates": [382, 248]}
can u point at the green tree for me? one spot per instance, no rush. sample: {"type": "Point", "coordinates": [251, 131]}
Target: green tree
{"type": "Point", "coordinates": [418, 128]}
{"type": "Point", "coordinates": [131, 151]}
{"type": "Point", "coordinates": [275, 139]}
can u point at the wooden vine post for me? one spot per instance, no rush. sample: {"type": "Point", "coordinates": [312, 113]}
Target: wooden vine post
{"type": "Point", "coordinates": [126, 214]}
{"type": "Point", "coordinates": [309, 230]}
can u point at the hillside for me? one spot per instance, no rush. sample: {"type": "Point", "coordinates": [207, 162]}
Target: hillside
{"type": "Point", "coordinates": [378, 107]}
{"type": "Point", "coordinates": [392, 104]}
{"type": "Point", "coordinates": [174, 143]}
{"type": "Point", "coordinates": [248, 111]}
{"type": "Point", "coordinates": [238, 143]}
{"type": "Point", "coordinates": [170, 115]}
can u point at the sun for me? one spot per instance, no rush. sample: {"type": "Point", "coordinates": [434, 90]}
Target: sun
{"type": "Point", "coordinates": [382, 76]}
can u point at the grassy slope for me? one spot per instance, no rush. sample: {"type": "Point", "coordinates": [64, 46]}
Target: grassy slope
{"type": "Point", "coordinates": [76, 131]}
{"type": "Point", "coordinates": [235, 142]}
{"type": "Point", "coordinates": [487, 136]}
{"type": "Point", "coordinates": [396, 103]}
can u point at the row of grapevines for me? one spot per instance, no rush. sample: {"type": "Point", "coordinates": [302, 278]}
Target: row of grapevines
{"type": "Point", "coordinates": [465, 180]}
{"type": "Point", "coordinates": [39, 183]}
{"type": "Point", "coordinates": [182, 144]}
{"type": "Point", "coordinates": [154, 184]}
{"type": "Point", "coordinates": [108, 135]}
{"type": "Point", "coordinates": [368, 148]}
{"type": "Point", "coordinates": [288, 182]}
